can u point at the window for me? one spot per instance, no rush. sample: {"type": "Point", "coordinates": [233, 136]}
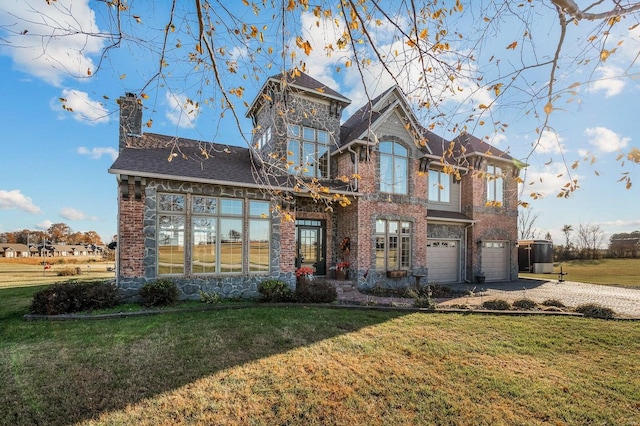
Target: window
{"type": "Point", "coordinates": [171, 223]}
{"type": "Point", "coordinates": [264, 138]}
{"type": "Point", "coordinates": [217, 237]}
{"type": "Point", "coordinates": [439, 186]}
{"type": "Point", "coordinates": [393, 245]}
{"type": "Point", "coordinates": [393, 168]}
{"type": "Point", "coordinates": [308, 151]}
{"type": "Point", "coordinates": [495, 186]}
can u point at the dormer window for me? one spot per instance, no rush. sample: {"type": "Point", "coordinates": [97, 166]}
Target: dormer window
{"type": "Point", "coordinates": [308, 151]}
{"type": "Point", "coordinates": [439, 186]}
{"type": "Point", "coordinates": [394, 166]}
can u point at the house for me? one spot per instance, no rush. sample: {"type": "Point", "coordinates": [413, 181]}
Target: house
{"type": "Point", "coordinates": [14, 250]}
{"type": "Point", "coordinates": [223, 218]}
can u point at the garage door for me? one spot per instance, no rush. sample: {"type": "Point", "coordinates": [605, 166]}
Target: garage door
{"type": "Point", "coordinates": [443, 261]}
{"type": "Point", "coordinates": [495, 260]}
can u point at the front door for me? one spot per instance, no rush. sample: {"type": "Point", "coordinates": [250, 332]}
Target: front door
{"type": "Point", "coordinates": [310, 245]}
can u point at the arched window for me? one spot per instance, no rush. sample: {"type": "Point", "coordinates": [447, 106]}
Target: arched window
{"type": "Point", "coordinates": [394, 166]}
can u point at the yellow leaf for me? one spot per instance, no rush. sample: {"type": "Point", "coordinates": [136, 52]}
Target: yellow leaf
{"type": "Point", "coordinates": [144, 96]}
{"type": "Point", "coordinates": [123, 76]}
{"type": "Point", "coordinates": [150, 122]}
{"type": "Point", "coordinates": [512, 45]}
{"type": "Point", "coordinates": [604, 55]}
{"type": "Point", "coordinates": [424, 33]}
{"type": "Point", "coordinates": [548, 108]}
{"type": "Point", "coordinates": [483, 106]}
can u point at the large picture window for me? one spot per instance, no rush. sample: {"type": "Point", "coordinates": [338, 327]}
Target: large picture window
{"type": "Point", "coordinates": [495, 186]}
{"type": "Point", "coordinates": [218, 237]}
{"type": "Point", "coordinates": [439, 186]}
{"type": "Point", "coordinates": [393, 245]}
{"type": "Point", "coordinates": [308, 151]}
{"type": "Point", "coordinates": [394, 164]}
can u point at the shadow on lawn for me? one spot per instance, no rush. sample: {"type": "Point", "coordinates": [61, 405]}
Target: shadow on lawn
{"type": "Point", "coordinates": [58, 373]}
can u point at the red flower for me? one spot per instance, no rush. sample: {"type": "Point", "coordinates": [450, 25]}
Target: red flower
{"type": "Point", "coordinates": [304, 270]}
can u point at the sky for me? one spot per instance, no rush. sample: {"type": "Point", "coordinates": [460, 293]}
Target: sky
{"type": "Point", "coordinates": [55, 160]}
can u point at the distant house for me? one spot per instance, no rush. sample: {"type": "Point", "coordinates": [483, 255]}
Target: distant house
{"type": "Point", "coordinates": [14, 250]}
{"type": "Point", "coordinates": [199, 213]}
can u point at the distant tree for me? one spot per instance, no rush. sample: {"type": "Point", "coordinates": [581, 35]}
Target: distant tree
{"type": "Point", "coordinates": [59, 232]}
{"type": "Point", "coordinates": [526, 221]}
{"type": "Point", "coordinates": [547, 236]}
{"type": "Point", "coordinates": [92, 237]}
{"type": "Point", "coordinates": [590, 238]}
{"type": "Point", "coordinates": [566, 230]}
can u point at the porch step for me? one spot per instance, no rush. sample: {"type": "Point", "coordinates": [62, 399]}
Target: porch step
{"type": "Point", "coordinates": [343, 286]}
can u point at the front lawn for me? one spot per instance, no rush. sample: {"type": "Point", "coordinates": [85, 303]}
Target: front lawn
{"type": "Point", "coordinates": [299, 365]}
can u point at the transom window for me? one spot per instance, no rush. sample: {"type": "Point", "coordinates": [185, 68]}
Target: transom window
{"type": "Point", "coordinates": [220, 231]}
{"type": "Point", "coordinates": [308, 151]}
{"type": "Point", "coordinates": [439, 186]}
{"type": "Point", "coordinates": [393, 245]}
{"type": "Point", "coordinates": [394, 165]}
{"type": "Point", "coordinates": [495, 186]}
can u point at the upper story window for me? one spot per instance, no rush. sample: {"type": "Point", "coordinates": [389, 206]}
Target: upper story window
{"type": "Point", "coordinates": [495, 185]}
{"type": "Point", "coordinates": [264, 138]}
{"type": "Point", "coordinates": [439, 186]}
{"type": "Point", "coordinates": [308, 151]}
{"type": "Point", "coordinates": [394, 167]}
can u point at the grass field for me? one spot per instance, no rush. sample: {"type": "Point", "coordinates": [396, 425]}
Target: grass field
{"type": "Point", "coordinates": [314, 366]}
{"type": "Point", "coordinates": [30, 271]}
{"type": "Point", "coordinates": [623, 272]}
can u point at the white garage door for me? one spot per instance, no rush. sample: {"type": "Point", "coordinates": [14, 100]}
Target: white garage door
{"type": "Point", "coordinates": [495, 260]}
{"type": "Point", "coordinates": [443, 261]}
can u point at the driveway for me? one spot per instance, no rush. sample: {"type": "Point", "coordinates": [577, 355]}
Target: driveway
{"type": "Point", "coordinates": [624, 301]}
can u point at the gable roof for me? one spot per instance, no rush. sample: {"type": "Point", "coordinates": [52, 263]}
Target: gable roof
{"type": "Point", "coordinates": [468, 145]}
{"type": "Point", "coordinates": [377, 110]}
{"type": "Point", "coordinates": [302, 82]}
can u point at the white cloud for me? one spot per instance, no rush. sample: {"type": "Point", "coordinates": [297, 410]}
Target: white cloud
{"type": "Point", "coordinates": [609, 81]}
{"type": "Point", "coordinates": [15, 200]}
{"type": "Point", "coordinates": [546, 180]}
{"type": "Point", "coordinates": [50, 41]}
{"type": "Point", "coordinates": [181, 113]}
{"type": "Point", "coordinates": [97, 153]}
{"type": "Point", "coordinates": [620, 223]}
{"type": "Point", "coordinates": [606, 140]}
{"type": "Point", "coordinates": [44, 225]}
{"type": "Point", "coordinates": [73, 214]}
{"type": "Point", "coordinates": [80, 107]}
{"type": "Point", "coordinates": [549, 142]}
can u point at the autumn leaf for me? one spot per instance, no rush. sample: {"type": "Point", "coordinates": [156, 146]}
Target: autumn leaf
{"type": "Point", "coordinates": [604, 55]}
{"type": "Point", "coordinates": [548, 108]}
{"type": "Point", "coordinates": [512, 45]}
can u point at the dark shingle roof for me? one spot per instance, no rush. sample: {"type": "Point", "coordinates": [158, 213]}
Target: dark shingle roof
{"type": "Point", "coordinates": [449, 216]}
{"type": "Point", "coordinates": [467, 144]}
{"type": "Point", "coordinates": [161, 156]}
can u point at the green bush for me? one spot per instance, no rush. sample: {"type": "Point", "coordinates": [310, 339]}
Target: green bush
{"type": "Point", "coordinates": [526, 304]}
{"type": "Point", "coordinates": [496, 305]}
{"type": "Point", "coordinates": [275, 291]}
{"type": "Point", "coordinates": [593, 310]}
{"type": "Point", "coordinates": [554, 302]}
{"type": "Point", "coordinates": [159, 293]}
{"type": "Point", "coordinates": [66, 298]}
{"type": "Point", "coordinates": [316, 291]}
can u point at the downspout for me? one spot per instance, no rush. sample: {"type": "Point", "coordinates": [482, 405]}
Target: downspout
{"type": "Point", "coordinates": [466, 250]}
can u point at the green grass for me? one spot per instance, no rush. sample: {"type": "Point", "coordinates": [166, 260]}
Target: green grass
{"type": "Point", "coordinates": [622, 272]}
{"type": "Point", "coordinates": [266, 365]}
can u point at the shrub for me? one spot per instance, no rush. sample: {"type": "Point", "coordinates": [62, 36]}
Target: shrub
{"type": "Point", "coordinates": [209, 298]}
{"type": "Point", "coordinates": [316, 291]}
{"type": "Point", "coordinates": [526, 304]}
{"type": "Point", "coordinates": [554, 302]}
{"type": "Point", "coordinates": [496, 305]}
{"type": "Point", "coordinates": [69, 271]}
{"type": "Point", "coordinates": [159, 293]}
{"type": "Point", "coordinates": [593, 310]}
{"type": "Point", "coordinates": [66, 298]}
{"type": "Point", "coordinates": [275, 291]}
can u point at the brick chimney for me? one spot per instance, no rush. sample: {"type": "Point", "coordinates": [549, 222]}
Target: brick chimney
{"type": "Point", "coordinates": [130, 119]}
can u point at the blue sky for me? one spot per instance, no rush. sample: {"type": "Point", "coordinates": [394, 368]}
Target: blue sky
{"type": "Point", "coordinates": [56, 161]}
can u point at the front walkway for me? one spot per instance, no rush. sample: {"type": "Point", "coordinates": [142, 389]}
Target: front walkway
{"type": "Point", "coordinates": [625, 302]}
